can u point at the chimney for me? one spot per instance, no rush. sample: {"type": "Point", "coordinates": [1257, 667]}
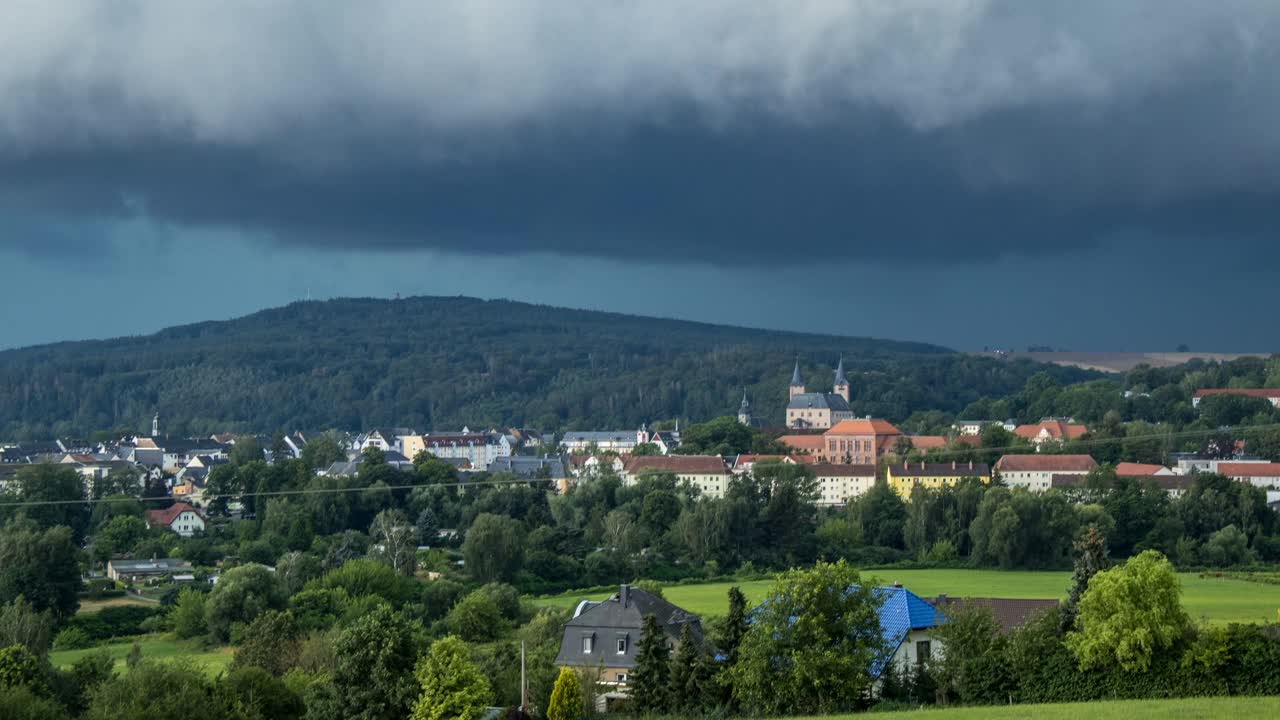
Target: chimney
{"type": "Point", "coordinates": [624, 595]}
{"type": "Point", "coordinates": [970, 464]}
{"type": "Point", "coordinates": [953, 464]}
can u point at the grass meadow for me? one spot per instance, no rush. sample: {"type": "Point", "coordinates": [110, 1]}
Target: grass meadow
{"type": "Point", "coordinates": [1211, 600]}
{"type": "Point", "coordinates": [161, 647]}
{"type": "Point", "coordinates": [1184, 709]}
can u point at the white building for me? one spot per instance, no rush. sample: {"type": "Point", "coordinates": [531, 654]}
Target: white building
{"type": "Point", "coordinates": [708, 473]}
{"type": "Point", "coordinates": [1035, 472]}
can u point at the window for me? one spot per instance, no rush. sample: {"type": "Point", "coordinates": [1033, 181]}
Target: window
{"type": "Point", "coordinates": [622, 645]}
{"type": "Point", "coordinates": [588, 644]}
{"type": "Point", "coordinates": [622, 677]}
{"type": "Point", "coordinates": [924, 651]}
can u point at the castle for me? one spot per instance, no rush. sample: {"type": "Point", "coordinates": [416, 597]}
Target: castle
{"type": "Point", "coordinates": [816, 410]}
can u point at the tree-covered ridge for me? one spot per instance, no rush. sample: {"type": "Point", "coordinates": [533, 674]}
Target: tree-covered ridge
{"type": "Point", "coordinates": [436, 362]}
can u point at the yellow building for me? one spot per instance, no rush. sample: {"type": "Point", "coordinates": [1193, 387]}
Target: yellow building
{"type": "Point", "coordinates": [902, 477]}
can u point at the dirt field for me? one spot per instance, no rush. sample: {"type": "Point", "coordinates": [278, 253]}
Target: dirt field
{"type": "Point", "coordinates": [1116, 362]}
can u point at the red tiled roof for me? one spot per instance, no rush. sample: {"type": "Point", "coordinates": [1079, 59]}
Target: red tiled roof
{"type": "Point", "coordinates": [863, 427]}
{"type": "Point", "coordinates": [1269, 393]}
{"type": "Point", "coordinates": [1128, 468]}
{"type": "Point", "coordinates": [679, 464]}
{"type": "Point", "coordinates": [927, 442]}
{"type": "Point", "coordinates": [1249, 469]}
{"type": "Point", "coordinates": [1057, 429]}
{"type": "Point", "coordinates": [1045, 463]}
{"type": "Point", "coordinates": [802, 442]}
{"type": "Point", "coordinates": [837, 470]}
{"type": "Point", "coordinates": [168, 515]}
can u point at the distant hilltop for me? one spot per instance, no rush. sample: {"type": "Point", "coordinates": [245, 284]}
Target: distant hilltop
{"type": "Point", "coordinates": [1113, 362]}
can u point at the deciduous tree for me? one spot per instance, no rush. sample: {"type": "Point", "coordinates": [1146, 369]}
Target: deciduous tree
{"type": "Point", "coordinates": [452, 686]}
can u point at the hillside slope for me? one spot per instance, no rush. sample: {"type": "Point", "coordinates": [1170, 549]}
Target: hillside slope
{"type": "Point", "coordinates": [434, 362]}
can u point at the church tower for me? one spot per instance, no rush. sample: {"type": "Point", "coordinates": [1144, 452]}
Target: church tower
{"type": "Point", "coordinates": [797, 383]}
{"type": "Point", "coordinates": [744, 410]}
{"type": "Point", "coordinates": [155, 426]}
{"type": "Point", "coordinates": [841, 386]}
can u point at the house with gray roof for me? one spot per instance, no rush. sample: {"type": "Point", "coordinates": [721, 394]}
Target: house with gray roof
{"type": "Point", "coordinates": [606, 635]}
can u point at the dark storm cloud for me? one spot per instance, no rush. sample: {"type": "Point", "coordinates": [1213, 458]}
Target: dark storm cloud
{"type": "Point", "coordinates": [762, 132]}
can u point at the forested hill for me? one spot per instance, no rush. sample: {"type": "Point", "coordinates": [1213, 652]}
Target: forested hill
{"type": "Point", "coordinates": [432, 362]}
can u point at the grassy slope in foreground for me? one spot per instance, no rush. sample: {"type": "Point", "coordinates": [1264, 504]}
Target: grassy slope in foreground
{"type": "Point", "coordinates": [1215, 600]}
{"type": "Point", "coordinates": [1186, 709]}
{"type": "Point", "coordinates": [156, 647]}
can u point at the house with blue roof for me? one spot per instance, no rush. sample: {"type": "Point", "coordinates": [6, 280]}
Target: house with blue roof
{"type": "Point", "coordinates": [906, 626]}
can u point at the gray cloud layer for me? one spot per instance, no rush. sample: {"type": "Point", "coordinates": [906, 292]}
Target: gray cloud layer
{"type": "Point", "coordinates": [717, 131]}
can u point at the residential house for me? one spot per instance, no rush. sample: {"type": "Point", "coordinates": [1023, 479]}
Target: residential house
{"type": "Point", "coordinates": [902, 477]}
{"type": "Point", "coordinates": [618, 441]}
{"type": "Point", "coordinates": [605, 636]}
{"type": "Point", "coordinates": [1272, 395]}
{"type": "Point", "coordinates": [859, 442]}
{"type": "Point", "coordinates": [530, 467]}
{"type": "Point", "coordinates": [179, 517]}
{"type": "Point", "coordinates": [817, 410]}
{"type": "Point", "coordinates": [907, 626]}
{"type": "Point", "coordinates": [839, 483]}
{"type": "Point", "coordinates": [1050, 430]}
{"type": "Point", "coordinates": [973, 427]}
{"type": "Point", "coordinates": [1009, 613]}
{"type": "Point", "coordinates": [666, 440]}
{"type": "Point", "coordinates": [1129, 468]}
{"type": "Point", "coordinates": [128, 571]}
{"type": "Point", "coordinates": [587, 465]}
{"type": "Point", "coordinates": [706, 472]}
{"type": "Point", "coordinates": [1035, 472]}
{"type": "Point", "coordinates": [744, 461]}
{"type": "Point", "coordinates": [1263, 475]}
{"type": "Point", "coordinates": [383, 439]}
{"type": "Point", "coordinates": [479, 449]}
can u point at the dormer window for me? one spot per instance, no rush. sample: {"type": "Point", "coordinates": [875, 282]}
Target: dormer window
{"type": "Point", "coordinates": [588, 644]}
{"type": "Point", "coordinates": [622, 645]}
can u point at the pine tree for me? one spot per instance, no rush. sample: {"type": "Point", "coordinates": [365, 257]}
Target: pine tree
{"type": "Point", "coordinates": [650, 681]}
{"type": "Point", "coordinates": [1091, 558]}
{"type": "Point", "coordinates": [735, 625]}
{"type": "Point", "coordinates": [566, 697]}
{"type": "Point", "coordinates": [686, 693]}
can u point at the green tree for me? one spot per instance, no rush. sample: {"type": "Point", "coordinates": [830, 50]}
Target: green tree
{"type": "Point", "coordinates": [188, 614]}
{"type": "Point", "coordinates": [735, 626]}
{"type": "Point", "coordinates": [241, 595]}
{"type": "Point", "coordinates": [691, 676]}
{"type": "Point", "coordinates": [476, 618]}
{"type": "Point", "coordinates": [323, 451]}
{"type": "Point", "coordinates": [19, 667]}
{"type": "Point", "coordinates": [42, 566]}
{"type": "Point", "coordinates": [566, 698]}
{"type": "Point", "coordinates": [649, 683]}
{"type": "Point", "coordinates": [374, 675]}
{"type": "Point", "coordinates": [1226, 547]}
{"type": "Point", "coordinates": [882, 515]}
{"type": "Point", "coordinates": [452, 686]}
{"type": "Point", "coordinates": [1091, 559]}
{"type": "Point", "coordinates": [811, 644]}
{"type": "Point", "coordinates": [19, 703]}
{"type": "Point", "coordinates": [246, 450]}
{"type": "Point", "coordinates": [255, 694]}
{"type": "Point", "coordinates": [117, 536]}
{"type": "Point", "coordinates": [645, 450]}
{"type": "Point", "coordinates": [20, 624]}
{"type": "Point", "coordinates": [271, 642]}
{"type": "Point", "coordinates": [55, 488]}
{"type": "Point", "coordinates": [493, 548]}
{"type": "Point", "coordinates": [153, 690]}
{"type": "Point", "coordinates": [1128, 614]}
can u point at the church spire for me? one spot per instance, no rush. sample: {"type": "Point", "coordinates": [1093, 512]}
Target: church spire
{"type": "Point", "coordinates": [744, 410]}
{"type": "Point", "coordinates": [841, 387]}
{"type": "Point", "coordinates": [797, 382]}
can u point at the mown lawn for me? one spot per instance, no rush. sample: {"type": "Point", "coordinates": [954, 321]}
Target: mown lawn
{"type": "Point", "coordinates": [212, 660]}
{"type": "Point", "coordinates": [92, 606]}
{"type": "Point", "coordinates": [1214, 600]}
{"type": "Point", "coordinates": [1184, 709]}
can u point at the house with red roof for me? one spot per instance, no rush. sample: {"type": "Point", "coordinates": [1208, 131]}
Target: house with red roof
{"type": "Point", "coordinates": [181, 518]}
{"type": "Point", "coordinates": [1258, 474]}
{"type": "Point", "coordinates": [1129, 468]}
{"type": "Point", "coordinates": [859, 442]}
{"type": "Point", "coordinates": [706, 472]}
{"type": "Point", "coordinates": [1270, 394]}
{"type": "Point", "coordinates": [1050, 430]}
{"type": "Point", "coordinates": [1035, 472]}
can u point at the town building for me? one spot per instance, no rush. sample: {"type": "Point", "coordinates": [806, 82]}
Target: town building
{"type": "Point", "coordinates": [903, 477]}
{"type": "Point", "coordinates": [1263, 475]}
{"type": "Point", "coordinates": [1050, 430]}
{"type": "Point", "coordinates": [618, 441]}
{"type": "Point", "coordinates": [1035, 472]}
{"type": "Point", "coordinates": [1131, 468]}
{"type": "Point", "coordinates": [1272, 395]}
{"type": "Point", "coordinates": [806, 410]}
{"type": "Point", "coordinates": [840, 483]}
{"type": "Point", "coordinates": [128, 571]}
{"type": "Point", "coordinates": [479, 449]}
{"type": "Point", "coordinates": [859, 442]}
{"type": "Point", "coordinates": [604, 637]}
{"type": "Point", "coordinates": [1174, 485]}
{"type": "Point", "coordinates": [708, 473]}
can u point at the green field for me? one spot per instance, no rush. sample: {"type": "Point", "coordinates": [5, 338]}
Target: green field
{"type": "Point", "coordinates": [153, 646]}
{"type": "Point", "coordinates": [1185, 709]}
{"type": "Point", "coordinates": [1214, 600]}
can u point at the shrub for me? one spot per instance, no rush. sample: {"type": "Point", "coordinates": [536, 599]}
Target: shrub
{"type": "Point", "coordinates": [476, 618]}
{"type": "Point", "coordinates": [72, 638]}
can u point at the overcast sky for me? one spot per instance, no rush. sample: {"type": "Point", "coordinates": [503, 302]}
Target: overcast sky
{"type": "Point", "coordinates": [1090, 175]}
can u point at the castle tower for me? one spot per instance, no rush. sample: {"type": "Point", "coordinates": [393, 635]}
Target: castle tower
{"type": "Point", "coordinates": [797, 383]}
{"type": "Point", "coordinates": [744, 410]}
{"type": "Point", "coordinates": [841, 386]}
